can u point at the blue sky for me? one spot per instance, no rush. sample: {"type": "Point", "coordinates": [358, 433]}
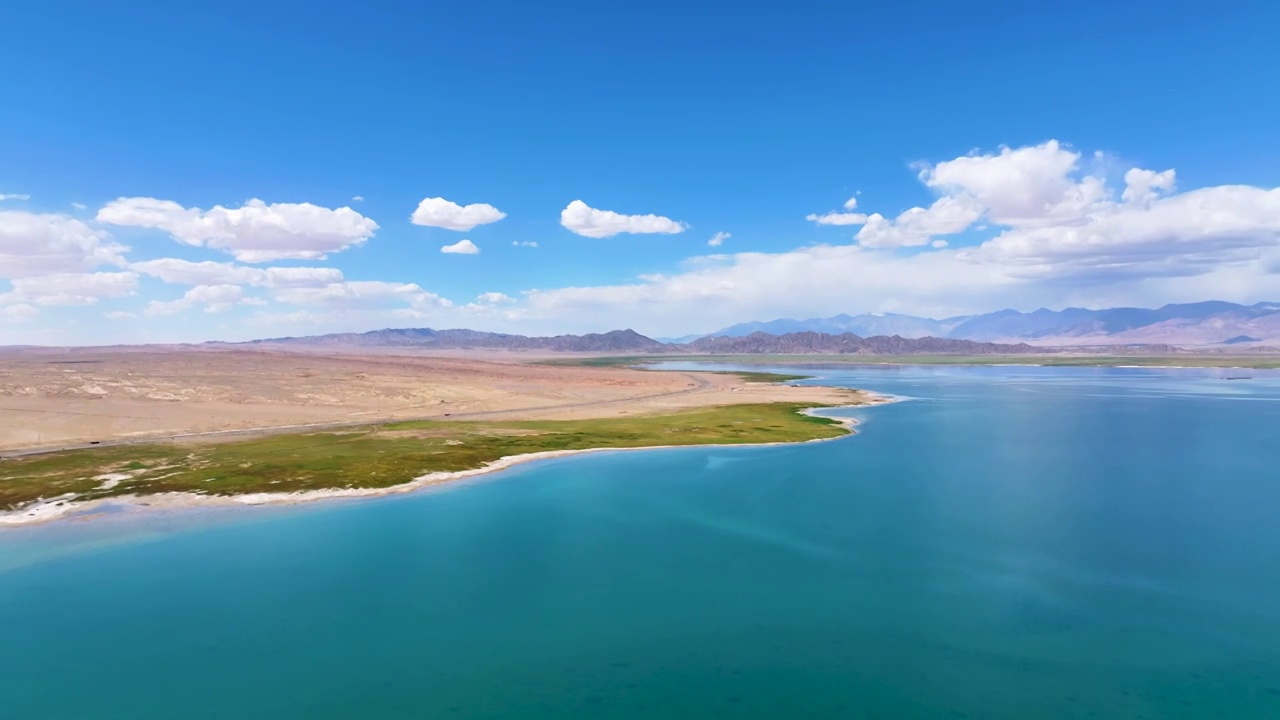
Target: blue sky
{"type": "Point", "coordinates": [133, 138]}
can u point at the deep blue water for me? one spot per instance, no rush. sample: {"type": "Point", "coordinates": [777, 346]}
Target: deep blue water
{"type": "Point", "coordinates": [1012, 543]}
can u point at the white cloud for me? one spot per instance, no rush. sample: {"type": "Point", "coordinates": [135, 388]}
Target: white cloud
{"type": "Point", "coordinates": [72, 288]}
{"type": "Point", "coordinates": [186, 272]}
{"type": "Point", "coordinates": [1184, 234]}
{"type": "Point", "coordinates": [840, 218]}
{"type": "Point", "coordinates": [462, 247]}
{"type": "Point", "coordinates": [837, 218]}
{"type": "Point", "coordinates": [917, 226]}
{"type": "Point", "coordinates": [33, 244]}
{"type": "Point", "coordinates": [282, 277]}
{"type": "Point", "coordinates": [119, 315]}
{"type": "Point", "coordinates": [214, 298]}
{"type": "Point", "coordinates": [820, 280]}
{"type": "Point", "coordinates": [362, 294]}
{"type": "Point", "coordinates": [14, 196]}
{"type": "Point", "coordinates": [494, 298]}
{"type": "Point", "coordinates": [1061, 237]}
{"type": "Point", "coordinates": [718, 239]}
{"type": "Point", "coordinates": [79, 206]}
{"type": "Point", "coordinates": [1143, 186]}
{"type": "Point", "coordinates": [357, 198]}
{"type": "Point", "coordinates": [255, 232]}
{"type": "Point", "coordinates": [441, 213]}
{"type": "Point", "coordinates": [1028, 186]}
{"type": "Point", "coordinates": [524, 243]}
{"type": "Point", "coordinates": [584, 220]}
{"type": "Point", "coordinates": [19, 313]}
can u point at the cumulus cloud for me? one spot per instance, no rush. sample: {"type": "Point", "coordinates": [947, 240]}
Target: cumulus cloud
{"type": "Point", "coordinates": [186, 272]}
{"type": "Point", "coordinates": [14, 196]}
{"type": "Point", "coordinates": [33, 244]}
{"type": "Point", "coordinates": [840, 218]}
{"type": "Point", "coordinates": [71, 288]}
{"type": "Point", "coordinates": [524, 243]}
{"type": "Point", "coordinates": [1057, 235]}
{"type": "Point", "coordinates": [281, 277]}
{"type": "Point", "coordinates": [1184, 234]}
{"type": "Point", "coordinates": [356, 294]}
{"type": "Point", "coordinates": [462, 247]}
{"type": "Point", "coordinates": [718, 239]}
{"type": "Point", "coordinates": [213, 298]}
{"type": "Point", "coordinates": [494, 298]}
{"type": "Point", "coordinates": [19, 313]}
{"type": "Point", "coordinates": [441, 213]}
{"type": "Point", "coordinates": [837, 218]}
{"type": "Point", "coordinates": [1143, 186]}
{"type": "Point", "coordinates": [255, 232]}
{"type": "Point", "coordinates": [580, 218]}
{"type": "Point", "coordinates": [1032, 185]}
{"type": "Point", "coordinates": [357, 198]}
{"type": "Point", "coordinates": [819, 280]}
{"type": "Point", "coordinates": [918, 226]}
{"type": "Point", "coordinates": [1054, 220]}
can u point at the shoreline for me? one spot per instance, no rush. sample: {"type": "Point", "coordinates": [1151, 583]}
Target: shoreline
{"type": "Point", "coordinates": [59, 508]}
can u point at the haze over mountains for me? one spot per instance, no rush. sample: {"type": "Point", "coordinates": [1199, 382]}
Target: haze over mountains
{"type": "Point", "coordinates": [631, 342]}
{"type": "Point", "coordinates": [1195, 324]}
{"type": "Point", "coordinates": [1212, 324]}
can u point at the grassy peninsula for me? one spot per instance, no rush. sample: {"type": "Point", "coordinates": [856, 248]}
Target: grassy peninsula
{"type": "Point", "coordinates": [378, 456]}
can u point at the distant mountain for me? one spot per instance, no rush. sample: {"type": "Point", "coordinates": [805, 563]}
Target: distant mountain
{"type": "Point", "coordinates": [631, 342]}
{"type": "Point", "coordinates": [848, 343]}
{"type": "Point", "coordinates": [866, 325]}
{"type": "Point", "coordinates": [1204, 323]}
{"type": "Point", "coordinates": [615, 341]}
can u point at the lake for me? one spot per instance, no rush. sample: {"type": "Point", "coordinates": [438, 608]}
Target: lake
{"type": "Point", "coordinates": [1006, 542]}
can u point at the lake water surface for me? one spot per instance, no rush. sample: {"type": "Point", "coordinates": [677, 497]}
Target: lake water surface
{"type": "Point", "coordinates": [1010, 542]}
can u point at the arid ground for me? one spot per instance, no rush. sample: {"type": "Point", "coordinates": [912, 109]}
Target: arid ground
{"type": "Point", "coordinates": [54, 398]}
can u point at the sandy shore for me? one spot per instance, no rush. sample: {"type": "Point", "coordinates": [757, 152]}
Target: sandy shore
{"type": "Point", "coordinates": [62, 507]}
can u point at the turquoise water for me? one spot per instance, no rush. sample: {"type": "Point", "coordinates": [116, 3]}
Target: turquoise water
{"type": "Point", "coordinates": [1011, 543]}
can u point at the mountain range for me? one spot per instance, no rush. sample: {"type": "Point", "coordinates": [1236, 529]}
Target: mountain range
{"type": "Point", "coordinates": [631, 342]}
{"type": "Point", "coordinates": [1188, 325]}
{"type": "Point", "coordinates": [1213, 324]}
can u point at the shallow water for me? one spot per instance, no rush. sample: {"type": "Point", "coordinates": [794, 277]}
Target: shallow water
{"type": "Point", "coordinates": [1010, 543]}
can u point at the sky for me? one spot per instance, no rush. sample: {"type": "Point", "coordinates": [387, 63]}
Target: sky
{"type": "Point", "coordinates": [228, 171]}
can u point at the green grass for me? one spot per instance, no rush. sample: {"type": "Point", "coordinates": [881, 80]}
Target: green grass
{"type": "Point", "coordinates": [382, 455]}
{"type": "Point", "coordinates": [760, 377]}
{"type": "Point", "coordinates": [624, 361]}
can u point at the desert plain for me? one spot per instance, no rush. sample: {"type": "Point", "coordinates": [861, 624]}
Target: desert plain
{"type": "Point", "coordinates": [63, 398]}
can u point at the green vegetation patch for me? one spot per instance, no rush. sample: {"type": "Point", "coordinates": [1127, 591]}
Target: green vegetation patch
{"type": "Point", "coordinates": [379, 455]}
{"type": "Point", "coordinates": [760, 377]}
{"type": "Point", "coordinates": [622, 361]}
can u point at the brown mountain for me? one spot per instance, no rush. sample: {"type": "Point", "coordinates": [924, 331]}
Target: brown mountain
{"type": "Point", "coordinates": [631, 342]}
{"type": "Point", "coordinates": [800, 343]}
{"type": "Point", "coordinates": [628, 341]}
